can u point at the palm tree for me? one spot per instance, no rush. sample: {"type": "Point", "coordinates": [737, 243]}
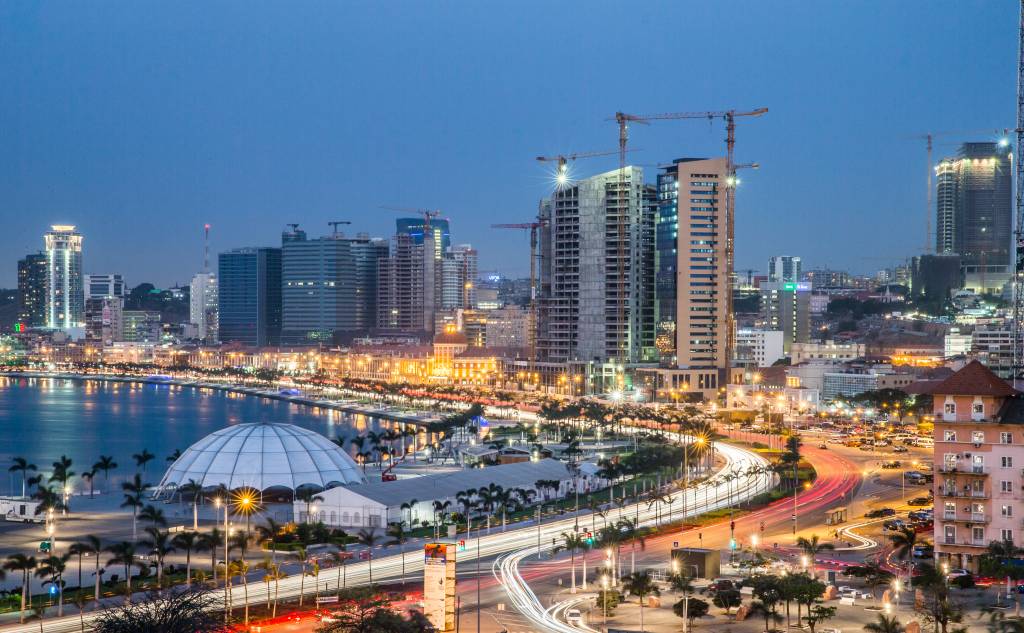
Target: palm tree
{"type": "Point", "coordinates": [399, 537]}
{"type": "Point", "coordinates": [884, 625]}
{"type": "Point", "coordinates": [62, 473]}
{"type": "Point", "coordinates": [154, 515]}
{"type": "Point", "coordinates": [123, 553]}
{"type": "Point", "coordinates": [194, 489]}
{"type": "Point", "coordinates": [309, 497]}
{"type": "Point", "coordinates": [268, 567]}
{"type": "Point", "coordinates": [173, 457]}
{"type": "Point", "coordinates": [641, 585]}
{"type": "Point", "coordinates": [304, 558]}
{"type": "Point", "coordinates": [24, 564]}
{"type": "Point", "coordinates": [52, 568]}
{"type": "Point", "coordinates": [571, 541]}
{"type": "Point", "coordinates": [133, 492]}
{"type": "Point", "coordinates": [90, 475]}
{"type": "Point", "coordinates": [209, 542]}
{"type": "Point", "coordinates": [90, 546]}
{"type": "Point", "coordinates": [340, 557]}
{"type": "Point", "coordinates": [106, 463]}
{"type": "Point", "coordinates": [23, 466]}
{"type": "Point", "coordinates": [268, 532]}
{"type": "Point", "coordinates": [811, 547]}
{"type": "Point", "coordinates": [903, 542]}
{"type": "Point", "coordinates": [141, 459]}
{"type": "Point", "coordinates": [408, 507]}
{"type": "Point", "coordinates": [188, 541]}
{"type": "Point", "coordinates": [160, 545]}
{"type": "Point", "coordinates": [368, 538]}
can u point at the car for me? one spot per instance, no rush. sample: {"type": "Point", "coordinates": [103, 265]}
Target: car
{"type": "Point", "coordinates": [825, 446]}
{"type": "Point", "coordinates": [573, 617]}
{"type": "Point", "coordinates": [867, 447]}
{"type": "Point", "coordinates": [850, 592]}
{"type": "Point", "coordinates": [920, 515]}
{"type": "Point", "coordinates": [920, 501]}
{"type": "Point", "coordinates": [891, 465]}
{"type": "Point", "coordinates": [880, 512]}
{"type": "Point", "coordinates": [893, 524]}
{"type": "Point", "coordinates": [924, 551]}
{"type": "Point", "coordinates": [953, 574]}
{"type": "Point", "coordinates": [900, 449]}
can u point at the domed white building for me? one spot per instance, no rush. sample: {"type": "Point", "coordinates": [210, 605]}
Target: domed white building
{"type": "Point", "coordinates": [263, 456]}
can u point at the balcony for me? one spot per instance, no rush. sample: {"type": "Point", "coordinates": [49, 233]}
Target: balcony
{"type": "Point", "coordinates": [963, 494]}
{"type": "Point", "coordinates": [964, 542]}
{"type": "Point", "coordinates": [950, 469]}
{"type": "Point", "coordinates": [968, 517]}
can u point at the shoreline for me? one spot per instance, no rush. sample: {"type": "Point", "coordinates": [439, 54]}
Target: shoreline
{"type": "Point", "coordinates": [386, 413]}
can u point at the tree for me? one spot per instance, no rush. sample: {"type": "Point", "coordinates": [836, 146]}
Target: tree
{"type": "Point", "coordinates": [399, 537]}
{"type": "Point", "coordinates": [194, 489]}
{"type": "Point", "coordinates": [154, 515]}
{"type": "Point", "coordinates": [141, 459]}
{"type": "Point", "coordinates": [209, 542]}
{"type": "Point", "coordinates": [309, 497]}
{"type": "Point", "coordinates": [818, 613]}
{"type": "Point", "coordinates": [768, 591]}
{"type": "Point", "coordinates": [184, 612]}
{"type": "Point", "coordinates": [189, 542]}
{"type": "Point", "coordinates": [758, 608]}
{"type": "Point", "coordinates": [160, 544]}
{"type": "Point", "coordinates": [872, 572]}
{"type": "Point", "coordinates": [24, 467]}
{"type": "Point", "coordinates": [641, 585]}
{"type": "Point", "coordinates": [571, 541]}
{"type": "Point", "coordinates": [884, 624]}
{"type": "Point", "coordinates": [362, 610]}
{"type": "Point", "coordinates": [727, 599]}
{"type": "Point", "coordinates": [811, 547]}
{"type": "Point", "coordinates": [123, 553]}
{"type": "Point", "coordinates": [368, 538]}
{"type": "Point", "coordinates": [25, 565]}
{"type": "Point", "coordinates": [62, 473]}
{"type": "Point", "coordinates": [52, 568]}
{"type": "Point", "coordinates": [690, 609]}
{"type": "Point", "coordinates": [106, 464]}
{"type": "Point", "coordinates": [133, 492]}
{"type": "Point", "coordinates": [90, 546]}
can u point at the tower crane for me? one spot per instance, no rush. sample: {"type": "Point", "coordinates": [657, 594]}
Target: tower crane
{"type": "Point", "coordinates": [533, 228]}
{"type": "Point", "coordinates": [562, 172]}
{"type": "Point", "coordinates": [729, 116]}
{"type": "Point", "coordinates": [428, 215]}
{"type": "Point", "coordinates": [929, 138]}
{"type": "Point", "coordinates": [334, 225]}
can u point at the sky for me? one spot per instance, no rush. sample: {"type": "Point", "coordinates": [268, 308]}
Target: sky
{"type": "Point", "coordinates": [141, 121]}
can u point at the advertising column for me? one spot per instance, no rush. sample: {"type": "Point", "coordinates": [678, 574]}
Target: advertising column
{"type": "Point", "coordinates": [439, 585]}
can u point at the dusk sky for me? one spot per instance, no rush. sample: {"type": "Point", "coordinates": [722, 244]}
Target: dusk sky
{"type": "Point", "coordinates": [140, 121]}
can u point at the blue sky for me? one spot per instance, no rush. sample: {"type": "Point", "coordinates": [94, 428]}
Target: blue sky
{"type": "Point", "coordinates": [140, 121]}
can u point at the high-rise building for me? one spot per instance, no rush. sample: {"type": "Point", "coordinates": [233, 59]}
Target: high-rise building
{"type": "Point", "coordinates": [99, 286]}
{"type": "Point", "coordinates": [65, 297]}
{"type": "Point", "coordinates": [786, 306]}
{"type": "Point", "coordinates": [104, 319]}
{"type": "Point", "coordinates": [440, 233]}
{"type": "Point", "coordinates": [458, 278]}
{"type": "Point", "coordinates": [249, 296]}
{"type": "Point", "coordinates": [408, 286]}
{"type": "Point", "coordinates": [974, 212]}
{"type": "Point", "coordinates": [783, 268]}
{"type": "Point", "coordinates": [32, 290]}
{"type": "Point", "coordinates": [508, 327]}
{"type": "Point", "coordinates": [141, 326]}
{"type": "Point", "coordinates": [203, 306]}
{"type": "Point", "coordinates": [328, 286]}
{"type": "Point", "coordinates": [597, 278]}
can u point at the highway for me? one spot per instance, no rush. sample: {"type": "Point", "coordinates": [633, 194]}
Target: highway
{"type": "Point", "coordinates": [741, 477]}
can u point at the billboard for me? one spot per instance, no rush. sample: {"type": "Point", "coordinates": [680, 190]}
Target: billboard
{"type": "Point", "coordinates": [439, 585]}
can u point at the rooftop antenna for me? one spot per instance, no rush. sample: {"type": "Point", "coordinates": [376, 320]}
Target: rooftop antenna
{"type": "Point", "coordinates": [206, 248]}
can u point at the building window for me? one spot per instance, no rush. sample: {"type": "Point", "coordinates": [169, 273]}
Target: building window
{"type": "Point", "coordinates": [1006, 438]}
{"type": "Point", "coordinates": [1006, 511]}
{"type": "Point", "coordinates": [1006, 535]}
{"type": "Point", "coordinates": [978, 408]}
{"type": "Point", "coordinates": [1007, 461]}
{"type": "Point", "coordinates": [978, 437]}
{"type": "Point", "coordinates": [950, 534]}
{"type": "Point", "coordinates": [950, 408]}
{"type": "Point", "coordinates": [1006, 486]}
{"type": "Point", "coordinates": [949, 436]}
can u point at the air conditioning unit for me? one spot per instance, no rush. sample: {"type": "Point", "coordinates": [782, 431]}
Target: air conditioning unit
{"type": "Point", "coordinates": [967, 455]}
{"type": "Point", "coordinates": [977, 445]}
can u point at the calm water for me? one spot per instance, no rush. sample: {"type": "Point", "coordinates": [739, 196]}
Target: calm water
{"type": "Point", "coordinates": [42, 419]}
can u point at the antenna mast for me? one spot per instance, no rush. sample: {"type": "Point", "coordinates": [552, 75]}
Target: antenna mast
{"type": "Point", "coordinates": [206, 246]}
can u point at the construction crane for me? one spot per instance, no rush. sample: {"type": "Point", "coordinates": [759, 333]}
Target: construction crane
{"type": "Point", "coordinates": [929, 138]}
{"type": "Point", "coordinates": [1018, 270]}
{"type": "Point", "coordinates": [729, 116]}
{"type": "Point", "coordinates": [428, 216]}
{"type": "Point", "coordinates": [562, 172]}
{"type": "Point", "coordinates": [334, 225]}
{"type": "Point", "coordinates": [533, 227]}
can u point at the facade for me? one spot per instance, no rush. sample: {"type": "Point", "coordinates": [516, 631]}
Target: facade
{"type": "Point", "coordinates": [979, 485]}
{"type": "Point", "coordinates": [328, 287]}
{"type": "Point", "coordinates": [508, 327]}
{"type": "Point", "coordinates": [458, 277]}
{"type": "Point", "coordinates": [440, 234]}
{"type": "Point", "coordinates": [99, 286]}
{"type": "Point", "coordinates": [787, 306]}
{"type": "Point", "coordinates": [830, 351]}
{"type": "Point", "coordinates": [758, 348]}
{"type": "Point", "coordinates": [203, 302]}
{"type": "Point", "coordinates": [104, 319]}
{"type": "Point", "coordinates": [408, 286]}
{"type": "Point", "coordinates": [974, 210]}
{"type": "Point", "coordinates": [141, 326]}
{"type": "Point", "coordinates": [249, 297]}
{"type": "Point", "coordinates": [597, 284]}
{"type": "Point", "coordinates": [32, 290]}
{"type": "Point", "coordinates": [783, 268]}
{"type": "Point", "coordinates": [992, 344]}
{"type": "Point", "coordinates": [65, 297]}
{"type": "Point", "coordinates": [957, 343]}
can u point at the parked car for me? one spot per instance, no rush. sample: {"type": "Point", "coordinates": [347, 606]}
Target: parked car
{"type": "Point", "coordinates": [893, 524]}
{"type": "Point", "coordinates": [920, 501]}
{"type": "Point", "coordinates": [880, 512]}
{"type": "Point", "coordinates": [891, 464]}
{"type": "Point", "coordinates": [573, 617]}
{"type": "Point", "coordinates": [900, 449]}
{"type": "Point", "coordinates": [953, 574]}
{"type": "Point", "coordinates": [923, 551]}
{"type": "Point", "coordinates": [920, 515]}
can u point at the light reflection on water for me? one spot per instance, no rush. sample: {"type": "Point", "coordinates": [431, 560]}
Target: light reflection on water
{"type": "Point", "coordinates": [43, 418]}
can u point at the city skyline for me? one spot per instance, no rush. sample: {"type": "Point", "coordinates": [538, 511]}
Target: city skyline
{"type": "Point", "coordinates": [248, 160]}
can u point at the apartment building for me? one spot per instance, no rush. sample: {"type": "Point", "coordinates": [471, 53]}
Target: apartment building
{"type": "Point", "coordinates": [979, 464]}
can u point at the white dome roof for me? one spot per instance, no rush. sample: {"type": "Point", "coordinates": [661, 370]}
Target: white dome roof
{"type": "Point", "coordinates": [262, 456]}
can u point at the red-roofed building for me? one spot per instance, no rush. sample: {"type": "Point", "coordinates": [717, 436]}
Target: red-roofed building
{"type": "Point", "coordinates": [979, 457]}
